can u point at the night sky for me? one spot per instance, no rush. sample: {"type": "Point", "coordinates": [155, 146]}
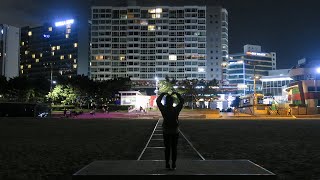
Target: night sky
{"type": "Point", "coordinates": [291, 28]}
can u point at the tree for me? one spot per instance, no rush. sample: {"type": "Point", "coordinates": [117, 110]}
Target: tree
{"type": "Point", "coordinates": [63, 94]}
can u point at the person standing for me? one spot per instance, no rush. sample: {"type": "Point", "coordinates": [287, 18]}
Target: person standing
{"type": "Point", "coordinates": [170, 126]}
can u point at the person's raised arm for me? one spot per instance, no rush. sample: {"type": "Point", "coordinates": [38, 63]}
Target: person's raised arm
{"type": "Point", "coordinates": [159, 104]}
{"type": "Point", "coordinates": [181, 101]}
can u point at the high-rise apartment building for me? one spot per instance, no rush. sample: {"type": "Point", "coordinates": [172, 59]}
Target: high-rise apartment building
{"type": "Point", "coordinates": [9, 51]}
{"type": "Point", "coordinates": [147, 42]}
{"type": "Point", "coordinates": [51, 50]}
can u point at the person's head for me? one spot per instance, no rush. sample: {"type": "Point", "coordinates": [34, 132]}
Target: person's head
{"type": "Point", "coordinates": [169, 100]}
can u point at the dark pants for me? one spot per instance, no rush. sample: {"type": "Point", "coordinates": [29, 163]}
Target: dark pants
{"type": "Point", "coordinates": [170, 144]}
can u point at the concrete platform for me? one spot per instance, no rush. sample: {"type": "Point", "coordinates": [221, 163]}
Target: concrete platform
{"type": "Point", "coordinates": [186, 169]}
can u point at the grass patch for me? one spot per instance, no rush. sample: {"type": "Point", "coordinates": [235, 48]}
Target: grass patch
{"type": "Point", "coordinates": [57, 148]}
{"type": "Point", "coordinates": [291, 149]}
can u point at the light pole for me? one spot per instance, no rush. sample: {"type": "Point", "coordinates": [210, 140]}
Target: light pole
{"type": "Point", "coordinates": [316, 84]}
{"type": "Point", "coordinates": [157, 81]}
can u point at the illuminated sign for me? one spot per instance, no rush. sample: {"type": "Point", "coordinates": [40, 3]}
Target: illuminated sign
{"type": "Point", "coordinates": [256, 54]}
{"type": "Point", "coordinates": [63, 23]}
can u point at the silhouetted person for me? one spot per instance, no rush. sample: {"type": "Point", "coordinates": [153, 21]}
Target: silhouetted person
{"type": "Point", "coordinates": [170, 126]}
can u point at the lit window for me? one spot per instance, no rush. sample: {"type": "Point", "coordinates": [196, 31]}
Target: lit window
{"type": "Point", "coordinates": [62, 57]}
{"type": "Point", "coordinates": [33, 56]}
{"type": "Point", "coordinates": [60, 72]}
{"type": "Point", "coordinates": [151, 28]}
{"type": "Point", "coordinates": [99, 57]}
{"type": "Point", "coordinates": [29, 66]}
{"type": "Point", "coordinates": [26, 52]}
{"type": "Point", "coordinates": [68, 26]}
{"type": "Point", "coordinates": [172, 57]}
{"type": "Point", "coordinates": [29, 33]}
{"type": "Point", "coordinates": [75, 61]}
{"type": "Point", "coordinates": [53, 48]}
{"type": "Point", "coordinates": [21, 67]}
{"type": "Point", "coordinates": [52, 53]}
{"type": "Point", "coordinates": [75, 66]}
{"type": "Point", "coordinates": [40, 54]}
{"type": "Point", "coordinates": [58, 47]}
{"type": "Point", "coordinates": [68, 31]}
{"type": "Point", "coordinates": [67, 36]}
{"type": "Point", "coordinates": [70, 56]}
{"type": "Point", "coordinates": [21, 71]}
{"type": "Point", "coordinates": [75, 45]}
{"type": "Point", "coordinates": [50, 28]}
{"type": "Point", "coordinates": [22, 43]}
{"type": "Point", "coordinates": [122, 58]}
{"type": "Point", "coordinates": [37, 60]}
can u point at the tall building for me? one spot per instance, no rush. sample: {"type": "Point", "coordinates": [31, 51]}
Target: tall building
{"type": "Point", "coordinates": [244, 68]}
{"type": "Point", "coordinates": [9, 51]}
{"type": "Point", "coordinates": [52, 50]}
{"type": "Point", "coordinates": [147, 42]}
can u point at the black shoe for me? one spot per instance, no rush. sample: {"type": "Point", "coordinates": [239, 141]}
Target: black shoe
{"type": "Point", "coordinates": [167, 166]}
{"type": "Point", "coordinates": [173, 166]}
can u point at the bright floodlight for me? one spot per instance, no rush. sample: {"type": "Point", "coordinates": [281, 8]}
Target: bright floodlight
{"type": "Point", "coordinates": [318, 70]}
{"type": "Point", "coordinates": [63, 23]}
{"type": "Point", "coordinates": [54, 82]}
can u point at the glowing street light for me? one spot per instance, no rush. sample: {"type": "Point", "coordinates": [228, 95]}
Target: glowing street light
{"type": "Point", "coordinates": [157, 81]}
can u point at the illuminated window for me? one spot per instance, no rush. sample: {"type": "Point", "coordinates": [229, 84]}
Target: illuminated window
{"type": "Point", "coordinates": [37, 60]}
{"type": "Point", "coordinates": [70, 56]}
{"type": "Point", "coordinates": [52, 53]}
{"type": "Point", "coordinates": [67, 36]}
{"type": "Point", "coordinates": [62, 57]}
{"type": "Point", "coordinates": [40, 54]}
{"type": "Point", "coordinates": [21, 71]}
{"type": "Point", "coordinates": [155, 16]}
{"type": "Point", "coordinates": [144, 22]}
{"type": "Point", "coordinates": [29, 33]}
{"type": "Point", "coordinates": [53, 48]}
{"type": "Point", "coordinates": [99, 57]}
{"type": "Point", "coordinates": [172, 57]}
{"type": "Point", "coordinates": [60, 72]}
{"type": "Point", "coordinates": [21, 67]}
{"type": "Point", "coordinates": [33, 56]}
{"type": "Point", "coordinates": [75, 66]}
{"type": "Point", "coordinates": [68, 26]}
{"type": "Point", "coordinates": [50, 28]}
{"type": "Point", "coordinates": [58, 47]}
{"type": "Point", "coordinates": [29, 66]}
{"type": "Point", "coordinates": [122, 58]}
{"type": "Point", "coordinates": [75, 61]}
{"type": "Point", "coordinates": [75, 45]}
{"type": "Point", "coordinates": [68, 31]}
{"type": "Point", "coordinates": [26, 52]}
{"type": "Point", "coordinates": [151, 28]}
{"type": "Point", "coordinates": [22, 43]}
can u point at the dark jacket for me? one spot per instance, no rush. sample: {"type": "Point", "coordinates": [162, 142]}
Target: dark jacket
{"type": "Point", "coordinates": [170, 115]}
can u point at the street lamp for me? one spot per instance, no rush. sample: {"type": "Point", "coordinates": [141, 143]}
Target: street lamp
{"type": "Point", "coordinates": [255, 78]}
{"type": "Point", "coordinates": [157, 81]}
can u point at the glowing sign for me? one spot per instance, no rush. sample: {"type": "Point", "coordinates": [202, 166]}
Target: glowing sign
{"type": "Point", "coordinates": [63, 23]}
{"type": "Point", "coordinates": [256, 54]}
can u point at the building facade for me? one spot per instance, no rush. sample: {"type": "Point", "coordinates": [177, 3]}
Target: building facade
{"type": "Point", "coordinates": [305, 87]}
{"type": "Point", "coordinates": [245, 69]}
{"type": "Point", "coordinates": [50, 50]}
{"type": "Point", "coordinates": [148, 42]}
{"type": "Point", "coordinates": [9, 51]}
{"type": "Point", "coordinates": [274, 85]}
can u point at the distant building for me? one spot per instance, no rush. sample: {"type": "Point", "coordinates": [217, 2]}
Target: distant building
{"type": "Point", "coordinates": [243, 67]}
{"type": "Point", "coordinates": [147, 42]}
{"type": "Point", "coordinates": [52, 49]}
{"type": "Point", "coordinates": [9, 51]}
{"type": "Point", "coordinates": [305, 88]}
{"type": "Point", "coordinates": [274, 85]}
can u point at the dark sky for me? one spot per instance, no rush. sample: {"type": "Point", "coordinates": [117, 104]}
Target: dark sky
{"type": "Point", "coordinates": [291, 28]}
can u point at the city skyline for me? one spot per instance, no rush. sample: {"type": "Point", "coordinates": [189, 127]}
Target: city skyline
{"type": "Point", "coordinates": [288, 29]}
